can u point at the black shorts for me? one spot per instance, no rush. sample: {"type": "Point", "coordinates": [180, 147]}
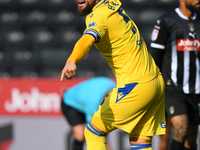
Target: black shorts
{"type": "Point", "coordinates": [178, 103]}
{"type": "Point", "coordinates": [73, 116]}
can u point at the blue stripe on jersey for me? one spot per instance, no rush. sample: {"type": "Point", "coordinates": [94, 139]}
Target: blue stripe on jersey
{"type": "Point", "coordinates": [140, 146]}
{"type": "Point", "coordinates": [94, 131]}
{"type": "Point", "coordinates": [101, 3]}
{"type": "Point", "coordinates": [94, 33]}
{"type": "Point", "coordinates": [124, 16]}
{"type": "Point", "coordinates": [134, 30]}
{"type": "Point", "coordinates": [122, 92]}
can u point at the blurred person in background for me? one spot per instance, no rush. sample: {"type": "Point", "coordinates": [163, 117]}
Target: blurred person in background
{"type": "Point", "coordinates": [80, 103]}
{"type": "Point", "coordinates": [175, 46]}
{"type": "Point", "coordinates": [136, 106]}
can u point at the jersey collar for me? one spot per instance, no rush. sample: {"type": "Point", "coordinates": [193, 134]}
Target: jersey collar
{"type": "Point", "coordinates": [183, 16]}
{"type": "Point", "coordinates": [99, 3]}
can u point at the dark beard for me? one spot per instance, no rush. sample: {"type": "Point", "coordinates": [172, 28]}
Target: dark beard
{"type": "Point", "coordinates": [193, 9]}
{"type": "Point", "coordinates": [86, 10]}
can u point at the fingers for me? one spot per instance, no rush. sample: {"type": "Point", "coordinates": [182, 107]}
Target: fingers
{"type": "Point", "coordinates": [69, 70]}
{"type": "Point", "coordinates": [62, 76]}
{"type": "Point", "coordinates": [67, 74]}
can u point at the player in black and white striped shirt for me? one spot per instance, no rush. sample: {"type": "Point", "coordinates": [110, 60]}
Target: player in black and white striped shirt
{"type": "Point", "coordinates": [175, 46]}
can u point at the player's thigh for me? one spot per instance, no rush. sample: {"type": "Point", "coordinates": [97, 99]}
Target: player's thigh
{"type": "Point", "coordinates": [139, 99]}
{"type": "Point", "coordinates": [152, 119]}
{"type": "Point", "coordinates": [124, 107]}
{"type": "Point", "coordinates": [144, 101]}
{"type": "Point", "coordinates": [180, 104]}
{"type": "Point", "coordinates": [73, 116]}
{"type": "Point", "coordinates": [180, 124]}
{"type": "Point", "coordinates": [175, 103]}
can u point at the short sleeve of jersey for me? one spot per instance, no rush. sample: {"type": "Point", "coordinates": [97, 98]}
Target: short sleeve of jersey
{"type": "Point", "coordinates": [96, 25]}
{"type": "Point", "coordinates": [159, 34]}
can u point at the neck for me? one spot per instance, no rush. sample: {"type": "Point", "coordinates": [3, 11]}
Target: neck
{"type": "Point", "coordinates": [97, 1]}
{"type": "Point", "coordinates": [185, 11]}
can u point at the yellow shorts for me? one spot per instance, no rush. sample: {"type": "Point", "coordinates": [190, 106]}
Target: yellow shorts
{"type": "Point", "coordinates": [138, 109]}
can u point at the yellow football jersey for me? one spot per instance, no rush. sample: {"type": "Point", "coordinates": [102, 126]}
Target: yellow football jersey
{"type": "Point", "coordinates": [119, 41]}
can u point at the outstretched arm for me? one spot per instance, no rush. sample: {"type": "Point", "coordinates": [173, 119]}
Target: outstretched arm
{"type": "Point", "coordinates": [81, 48]}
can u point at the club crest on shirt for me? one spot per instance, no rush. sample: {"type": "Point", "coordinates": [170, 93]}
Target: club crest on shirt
{"type": "Point", "coordinates": [171, 109]}
{"type": "Point", "coordinates": [168, 82]}
{"type": "Point", "coordinates": [191, 27]}
{"type": "Point", "coordinates": [154, 35]}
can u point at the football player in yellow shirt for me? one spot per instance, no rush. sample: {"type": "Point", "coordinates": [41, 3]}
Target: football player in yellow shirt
{"type": "Point", "coordinates": [137, 104]}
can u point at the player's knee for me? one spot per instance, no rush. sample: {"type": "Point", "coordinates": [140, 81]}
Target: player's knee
{"type": "Point", "coordinates": [79, 137]}
{"type": "Point", "coordinates": [94, 139]}
{"type": "Point", "coordinates": [180, 126]}
{"type": "Point", "coordinates": [92, 134]}
{"type": "Point", "coordinates": [181, 134]}
{"type": "Point", "coordinates": [78, 132]}
{"type": "Point", "coordinates": [139, 138]}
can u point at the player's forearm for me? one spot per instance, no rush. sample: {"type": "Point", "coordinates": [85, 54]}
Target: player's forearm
{"type": "Point", "coordinates": [81, 48]}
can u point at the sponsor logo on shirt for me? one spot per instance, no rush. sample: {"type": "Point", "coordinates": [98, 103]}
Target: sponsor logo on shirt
{"type": "Point", "coordinates": [122, 92]}
{"type": "Point", "coordinates": [192, 34]}
{"type": "Point", "coordinates": [188, 45]}
{"type": "Point", "coordinates": [158, 22]}
{"type": "Point", "coordinates": [139, 42]}
{"type": "Point", "coordinates": [92, 24]}
{"type": "Point", "coordinates": [120, 95]}
{"type": "Point", "coordinates": [91, 15]}
{"type": "Point", "coordinates": [163, 125]}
